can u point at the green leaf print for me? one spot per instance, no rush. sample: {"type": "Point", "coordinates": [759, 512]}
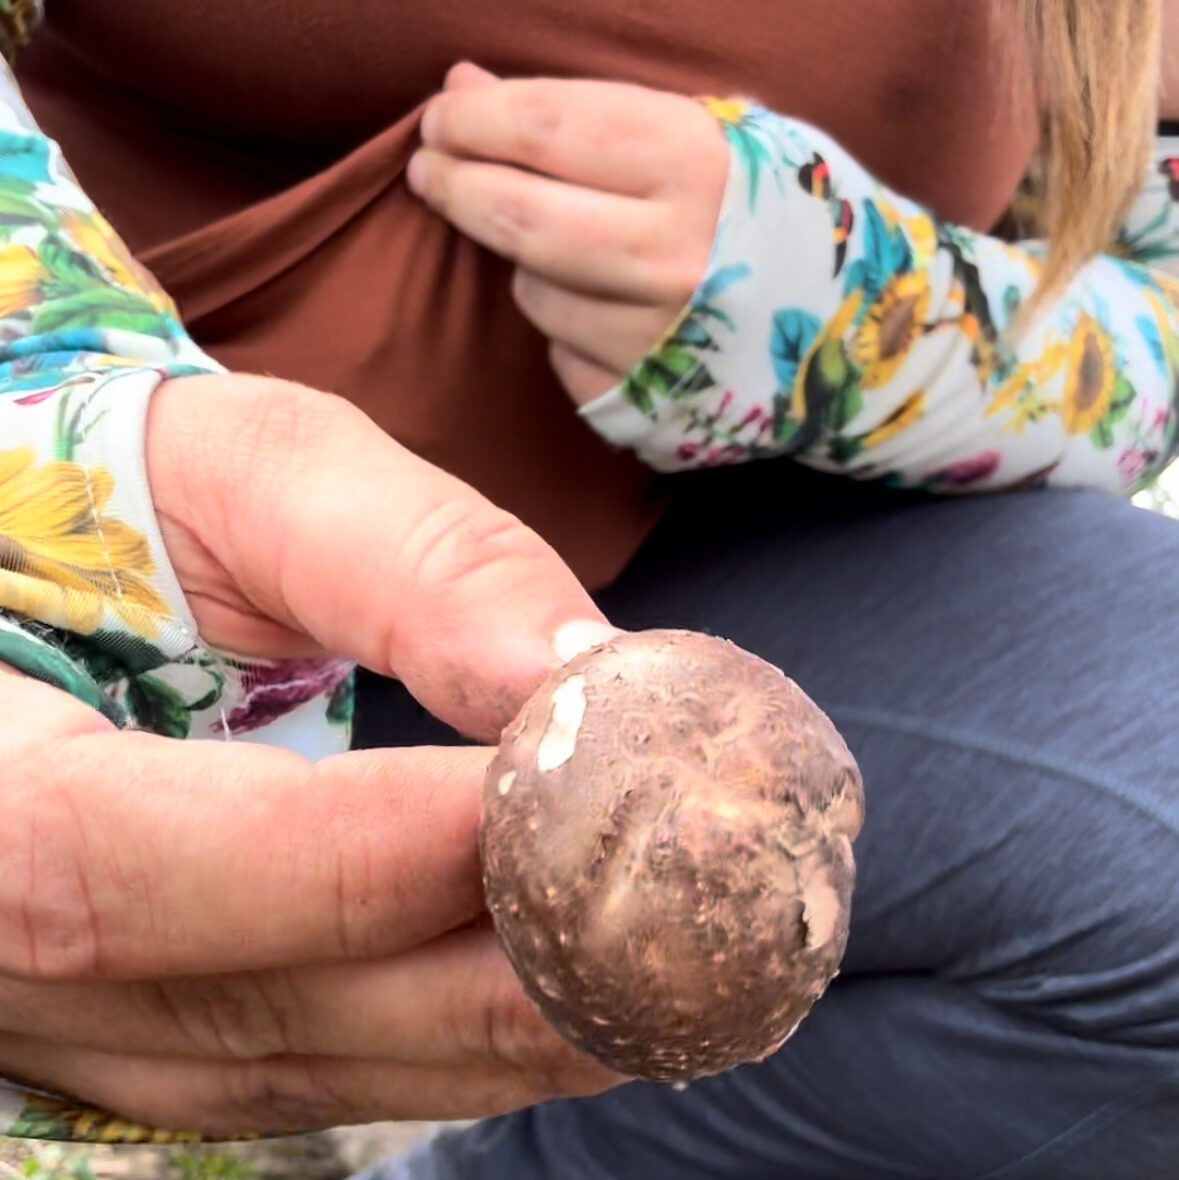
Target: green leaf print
{"type": "Point", "coordinates": [844, 409]}
{"type": "Point", "coordinates": [70, 430]}
{"type": "Point", "coordinates": [41, 660]}
{"type": "Point", "coordinates": [845, 449]}
{"type": "Point", "coordinates": [708, 311]}
{"type": "Point", "coordinates": [341, 705]}
{"type": "Point", "coordinates": [157, 706]}
{"type": "Point", "coordinates": [212, 696]}
{"type": "Point", "coordinates": [1102, 435]}
{"type": "Point", "coordinates": [69, 270]}
{"type": "Point", "coordinates": [674, 368]}
{"type": "Point", "coordinates": [671, 371]}
{"type": "Point", "coordinates": [676, 359]}
{"type": "Point", "coordinates": [18, 209]}
{"type": "Point", "coordinates": [115, 655]}
{"type": "Point", "coordinates": [753, 150]}
{"type": "Point", "coordinates": [694, 334]}
{"type": "Point", "coordinates": [833, 370]}
{"type": "Point", "coordinates": [34, 1122]}
{"type": "Point", "coordinates": [793, 333]}
{"type": "Point", "coordinates": [105, 308]}
{"type": "Point", "coordinates": [784, 426]}
{"type": "Point", "coordinates": [634, 390]}
{"type": "Point", "coordinates": [1124, 396]}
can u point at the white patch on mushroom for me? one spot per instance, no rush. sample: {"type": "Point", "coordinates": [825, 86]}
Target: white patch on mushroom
{"type": "Point", "coordinates": [505, 783]}
{"type": "Point", "coordinates": [560, 739]}
{"type": "Point", "coordinates": [820, 910]}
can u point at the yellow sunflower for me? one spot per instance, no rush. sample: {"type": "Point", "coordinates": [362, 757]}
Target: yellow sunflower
{"type": "Point", "coordinates": [62, 560]}
{"type": "Point", "coordinates": [1090, 377]}
{"type": "Point", "coordinates": [86, 1124]}
{"type": "Point", "coordinates": [911, 410]}
{"type": "Point", "coordinates": [892, 326]}
{"type": "Point", "coordinates": [93, 235]}
{"type": "Point", "coordinates": [729, 111]}
{"type": "Point", "coordinates": [21, 276]}
{"type": "Point", "coordinates": [919, 229]}
{"type": "Point", "coordinates": [835, 330]}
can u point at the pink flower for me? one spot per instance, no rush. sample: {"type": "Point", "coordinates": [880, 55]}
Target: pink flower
{"type": "Point", "coordinates": [725, 402]}
{"type": "Point", "coordinates": [274, 688]}
{"type": "Point", "coordinates": [719, 455]}
{"type": "Point", "coordinates": [754, 416]}
{"type": "Point", "coordinates": [687, 451]}
{"type": "Point", "coordinates": [1132, 463]}
{"type": "Point", "coordinates": [968, 471]}
{"type": "Point", "coordinates": [33, 399]}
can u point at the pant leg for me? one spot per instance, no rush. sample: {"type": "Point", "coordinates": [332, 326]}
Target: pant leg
{"type": "Point", "coordinates": [1005, 671]}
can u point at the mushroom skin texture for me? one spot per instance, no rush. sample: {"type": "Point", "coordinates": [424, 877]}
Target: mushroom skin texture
{"type": "Point", "coordinates": [666, 838]}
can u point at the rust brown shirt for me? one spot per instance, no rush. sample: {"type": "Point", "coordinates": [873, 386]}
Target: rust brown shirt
{"type": "Point", "coordinates": [253, 157]}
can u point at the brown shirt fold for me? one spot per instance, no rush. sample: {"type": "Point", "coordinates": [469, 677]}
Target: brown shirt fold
{"type": "Point", "coordinates": [253, 156]}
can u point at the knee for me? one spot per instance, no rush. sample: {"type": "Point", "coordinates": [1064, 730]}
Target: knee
{"type": "Point", "coordinates": [1049, 890]}
{"type": "Point", "coordinates": [1090, 940]}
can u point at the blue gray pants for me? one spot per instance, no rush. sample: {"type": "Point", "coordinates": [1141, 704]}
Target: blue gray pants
{"type": "Point", "coordinates": [1006, 670]}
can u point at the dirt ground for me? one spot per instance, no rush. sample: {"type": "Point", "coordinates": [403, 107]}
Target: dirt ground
{"type": "Point", "coordinates": [331, 1155]}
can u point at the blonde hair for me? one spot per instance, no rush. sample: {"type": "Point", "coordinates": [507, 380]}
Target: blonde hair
{"type": "Point", "coordinates": [1095, 65]}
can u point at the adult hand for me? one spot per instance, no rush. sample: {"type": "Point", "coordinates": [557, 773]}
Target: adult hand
{"type": "Point", "coordinates": [224, 937]}
{"type": "Point", "coordinates": [606, 196]}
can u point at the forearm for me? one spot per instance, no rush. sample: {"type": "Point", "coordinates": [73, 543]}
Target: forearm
{"type": "Point", "coordinates": [845, 326]}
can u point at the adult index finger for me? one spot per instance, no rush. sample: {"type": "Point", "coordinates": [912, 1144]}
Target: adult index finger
{"type": "Point", "coordinates": [621, 138]}
{"type": "Point", "coordinates": [333, 529]}
{"type": "Point", "coordinates": [130, 856]}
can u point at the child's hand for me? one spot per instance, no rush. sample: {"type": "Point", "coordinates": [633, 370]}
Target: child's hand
{"type": "Point", "coordinates": [606, 196]}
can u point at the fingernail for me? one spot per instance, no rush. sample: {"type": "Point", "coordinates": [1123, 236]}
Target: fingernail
{"type": "Point", "coordinates": [580, 635]}
{"type": "Point", "coordinates": [415, 173]}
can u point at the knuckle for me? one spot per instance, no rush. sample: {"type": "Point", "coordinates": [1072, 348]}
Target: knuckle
{"type": "Point", "coordinates": [517, 1035]}
{"type": "Point", "coordinates": [512, 221]}
{"type": "Point", "coordinates": [365, 931]}
{"type": "Point", "coordinates": [672, 251]}
{"type": "Point", "coordinates": [462, 537]}
{"type": "Point", "coordinates": [49, 927]}
{"type": "Point", "coordinates": [240, 1017]}
{"type": "Point", "coordinates": [294, 1094]}
{"type": "Point", "coordinates": [537, 116]}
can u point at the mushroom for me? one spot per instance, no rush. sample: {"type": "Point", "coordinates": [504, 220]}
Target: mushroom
{"type": "Point", "coordinates": [666, 839]}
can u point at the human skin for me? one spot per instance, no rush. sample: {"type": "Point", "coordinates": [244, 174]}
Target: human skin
{"type": "Point", "coordinates": [344, 976]}
{"type": "Point", "coordinates": [224, 937]}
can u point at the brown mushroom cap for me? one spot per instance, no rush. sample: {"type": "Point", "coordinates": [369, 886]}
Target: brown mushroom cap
{"type": "Point", "coordinates": [666, 841]}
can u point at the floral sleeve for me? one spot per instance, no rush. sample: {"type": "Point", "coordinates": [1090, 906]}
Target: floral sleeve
{"type": "Point", "coordinates": [87, 595]}
{"type": "Point", "coordinates": [846, 326]}
{"type": "Point", "coordinates": [88, 599]}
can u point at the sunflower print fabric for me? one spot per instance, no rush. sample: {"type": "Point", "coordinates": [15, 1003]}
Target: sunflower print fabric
{"type": "Point", "coordinates": [846, 326]}
{"type": "Point", "coordinates": [88, 600]}
{"type": "Point", "coordinates": [86, 335]}
{"type": "Point", "coordinates": [838, 323]}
